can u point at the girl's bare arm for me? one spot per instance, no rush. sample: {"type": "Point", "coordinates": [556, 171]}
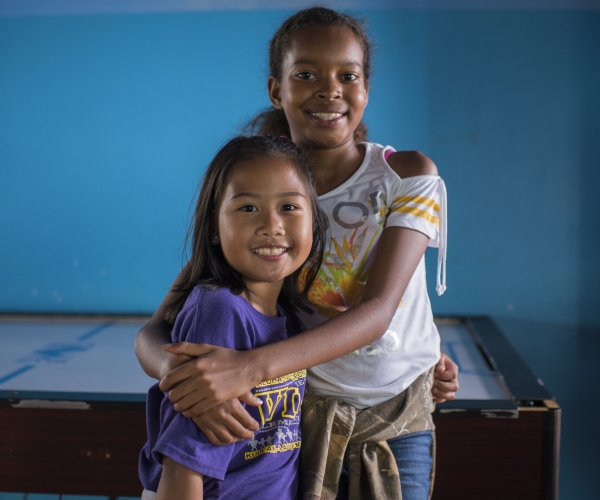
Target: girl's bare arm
{"type": "Point", "coordinates": [155, 361]}
{"type": "Point", "coordinates": [179, 483]}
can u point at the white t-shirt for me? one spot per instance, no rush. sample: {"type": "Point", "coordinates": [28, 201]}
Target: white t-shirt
{"type": "Point", "coordinates": [374, 198]}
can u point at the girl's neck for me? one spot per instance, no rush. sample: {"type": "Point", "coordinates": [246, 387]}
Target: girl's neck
{"type": "Point", "coordinates": [263, 296]}
{"type": "Point", "coordinates": [334, 166]}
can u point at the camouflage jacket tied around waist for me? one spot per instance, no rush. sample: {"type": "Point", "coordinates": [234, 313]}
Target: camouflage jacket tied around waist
{"type": "Point", "coordinates": [331, 428]}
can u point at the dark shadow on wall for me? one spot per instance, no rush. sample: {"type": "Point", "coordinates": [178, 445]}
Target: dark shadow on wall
{"type": "Point", "coordinates": [566, 359]}
{"type": "Point", "coordinates": [589, 201]}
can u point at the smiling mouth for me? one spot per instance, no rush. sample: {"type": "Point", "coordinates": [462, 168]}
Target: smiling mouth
{"type": "Point", "coordinates": [328, 116]}
{"type": "Point", "coordinates": [270, 250]}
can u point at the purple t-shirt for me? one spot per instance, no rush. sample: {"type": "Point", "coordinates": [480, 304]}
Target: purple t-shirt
{"type": "Point", "coordinates": [264, 467]}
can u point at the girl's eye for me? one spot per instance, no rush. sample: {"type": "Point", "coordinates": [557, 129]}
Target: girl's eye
{"type": "Point", "coordinates": [350, 77]}
{"type": "Point", "coordinates": [305, 75]}
{"type": "Point", "coordinates": [248, 208]}
{"type": "Point", "coordinates": [288, 207]}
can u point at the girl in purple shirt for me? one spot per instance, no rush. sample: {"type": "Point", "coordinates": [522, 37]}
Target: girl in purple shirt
{"type": "Point", "coordinates": [249, 240]}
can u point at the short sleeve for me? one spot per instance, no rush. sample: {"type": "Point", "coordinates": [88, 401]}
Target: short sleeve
{"type": "Point", "coordinates": [419, 203]}
{"type": "Point", "coordinates": [416, 205]}
{"type": "Point", "coordinates": [182, 441]}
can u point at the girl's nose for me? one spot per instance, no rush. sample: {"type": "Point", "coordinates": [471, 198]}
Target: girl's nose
{"type": "Point", "coordinates": [271, 224]}
{"type": "Point", "coordinates": [330, 90]}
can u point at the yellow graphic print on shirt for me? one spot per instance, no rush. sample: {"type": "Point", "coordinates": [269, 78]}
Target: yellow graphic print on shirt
{"type": "Point", "coordinates": [279, 415]}
{"type": "Point", "coordinates": [340, 282]}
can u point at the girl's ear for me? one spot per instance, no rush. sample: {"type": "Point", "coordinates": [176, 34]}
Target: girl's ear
{"type": "Point", "coordinates": [274, 92]}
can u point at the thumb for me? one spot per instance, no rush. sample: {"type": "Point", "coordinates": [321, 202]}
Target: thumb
{"type": "Point", "coordinates": [440, 366]}
{"type": "Point", "coordinates": [188, 348]}
{"type": "Point", "coordinates": [250, 399]}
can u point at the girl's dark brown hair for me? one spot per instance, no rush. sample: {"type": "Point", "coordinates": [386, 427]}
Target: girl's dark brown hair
{"type": "Point", "coordinates": [273, 121]}
{"type": "Point", "coordinates": [207, 265]}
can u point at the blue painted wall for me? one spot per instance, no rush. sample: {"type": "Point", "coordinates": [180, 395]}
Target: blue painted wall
{"type": "Point", "coordinates": [107, 122]}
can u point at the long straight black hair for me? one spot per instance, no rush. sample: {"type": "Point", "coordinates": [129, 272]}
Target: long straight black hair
{"type": "Point", "coordinates": [207, 265]}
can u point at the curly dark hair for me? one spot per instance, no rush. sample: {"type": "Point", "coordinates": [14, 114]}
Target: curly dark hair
{"type": "Point", "coordinates": [207, 265]}
{"type": "Point", "coordinates": [273, 121]}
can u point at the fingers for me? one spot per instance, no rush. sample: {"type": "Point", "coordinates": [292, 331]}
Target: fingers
{"type": "Point", "coordinates": [212, 438]}
{"type": "Point", "coordinates": [440, 365]}
{"type": "Point", "coordinates": [227, 418]}
{"type": "Point", "coordinates": [445, 376]}
{"type": "Point", "coordinates": [223, 423]}
{"type": "Point", "coordinates": [443, 391]}
{"type": "Point", "coordinates": [222, 435]}
{"type": "Point", "coordinates": [450, 386]}
{"type": "Point", "coordinates": [250, 399]}
{"type": "Point", "coordinates": [445, 369]}
{"type": "Point", "coordinates": [243, 417]}
{"type": "Point", "coordinates": [450, 365]}
{"type": "Point", "coordinates": [445, 382]}
{"type": "Point", "coordinates": [235, 431]}
{"type": "Point", "coordinates": [442, 396]}
{"type": "Point", "coordinates": [178, 375]}
{"type": "Point", "coordinates": [183, 404]}
{"type": "Point", "coordinates": [242, 423]}
{"type": "Point", "coordinates": [202, 406]}
{"type": "Point", "coordinates": [188, 348]}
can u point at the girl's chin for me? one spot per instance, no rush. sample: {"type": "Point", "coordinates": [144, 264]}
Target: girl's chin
{"type": "Point", "coordinates": [326, 140]}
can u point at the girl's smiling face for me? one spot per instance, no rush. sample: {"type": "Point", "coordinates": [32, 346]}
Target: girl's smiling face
{"type": "Point", "coordinates": [322, 90]}
{"type": "Point", "coordinates": [265, 220]}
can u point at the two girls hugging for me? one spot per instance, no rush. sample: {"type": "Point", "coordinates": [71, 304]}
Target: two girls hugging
{"type": "Point", "coordinates": [301, 325]}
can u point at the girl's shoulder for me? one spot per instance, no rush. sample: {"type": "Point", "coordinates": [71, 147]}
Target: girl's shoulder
{"type": "Point", "coordinates": [215, 316]}
{"type": "Point", "coordinates": [220, 302]}
{"type": "Point", "coordinates": [411, 164]}
{"type": "Point", "coordinates": [209, 295]}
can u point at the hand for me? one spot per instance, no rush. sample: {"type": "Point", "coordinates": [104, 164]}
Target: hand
{"type": "Point", "coordinates": [445, 380]}
{"type": "Point", "coordinates": [215, 375]}
{"type": "Point", "coordinates": [173, 361]}
{"type": "Point", "coordinates": [228, 422]}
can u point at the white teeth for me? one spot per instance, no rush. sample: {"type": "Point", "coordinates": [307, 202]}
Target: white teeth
{"type": "Point", "coordinates": [269, 251]}
{"type": "Point", "coordinates": [327, 116]}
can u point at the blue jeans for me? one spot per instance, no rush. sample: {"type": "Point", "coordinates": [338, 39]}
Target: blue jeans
{"type": "Point", "coordinates": [414, 456]}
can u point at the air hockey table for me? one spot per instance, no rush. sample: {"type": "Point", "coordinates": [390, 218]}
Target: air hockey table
{"type": "Point", "coordinates": [72, 411]}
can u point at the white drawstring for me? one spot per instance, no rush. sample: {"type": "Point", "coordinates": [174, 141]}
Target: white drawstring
{"type": "Point", "coordinates": [443, 239]}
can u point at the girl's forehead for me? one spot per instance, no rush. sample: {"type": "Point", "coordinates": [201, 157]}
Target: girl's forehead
{"type": "Point", "coordinates": [314, 43]}
{"type": "Point", "coordinates": [264, 171]}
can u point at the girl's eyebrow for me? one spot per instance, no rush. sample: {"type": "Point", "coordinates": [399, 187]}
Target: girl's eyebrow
{"type": "Point", "coordinates": [291, 193]}
{"type": "Point", "coordinates": [254, 195]}
{"type": "Point", "coordinates": [349, 62]}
